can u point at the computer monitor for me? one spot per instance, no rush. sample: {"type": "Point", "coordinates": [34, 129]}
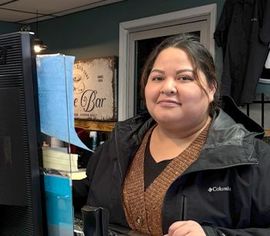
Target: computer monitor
{"type": "Point", "coordinates": [21, 204]}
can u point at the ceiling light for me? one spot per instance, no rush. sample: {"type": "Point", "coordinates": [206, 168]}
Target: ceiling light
{"type": "Point", "coordinates": [39, 46]}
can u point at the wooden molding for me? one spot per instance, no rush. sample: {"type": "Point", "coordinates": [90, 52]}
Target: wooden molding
{"type": "Point", "coordinates": [95, 125]}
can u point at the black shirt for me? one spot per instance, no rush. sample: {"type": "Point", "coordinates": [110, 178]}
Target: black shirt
{"type": "Point", "coordinates": [152, 169]}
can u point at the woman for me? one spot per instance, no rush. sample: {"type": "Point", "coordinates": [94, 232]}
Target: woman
{"type": "Point", "coordinates": [189, 168]}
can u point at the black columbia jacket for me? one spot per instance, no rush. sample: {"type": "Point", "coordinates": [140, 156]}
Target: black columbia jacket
{"type": "Point", "coordinates": [227, 190]}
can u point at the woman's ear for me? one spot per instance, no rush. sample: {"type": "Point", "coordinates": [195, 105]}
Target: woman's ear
{"type": "Point", "coordinates": [212, 91]}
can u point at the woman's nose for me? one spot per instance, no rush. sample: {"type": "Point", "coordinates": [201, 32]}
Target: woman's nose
{"type": "Point", "coordinates": [169, 87]}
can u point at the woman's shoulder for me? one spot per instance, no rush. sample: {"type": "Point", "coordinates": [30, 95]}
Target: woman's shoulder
{"type": "Point", "coordinates": [137, 122]}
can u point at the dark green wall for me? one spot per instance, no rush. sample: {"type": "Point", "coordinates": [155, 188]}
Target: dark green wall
{"type": "Point", "coordinates": [8, 27]}
{"type": "Point", "coordinates": [95, 32]}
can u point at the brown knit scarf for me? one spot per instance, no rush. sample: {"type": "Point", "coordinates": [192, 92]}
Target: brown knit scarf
{"type": "Point", "coordinates": [143, 208]}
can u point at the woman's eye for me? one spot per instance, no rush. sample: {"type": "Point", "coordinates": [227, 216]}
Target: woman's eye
{"type": "Point", "coordinates": [186, 78]}
{"type": "Point", "coordinates": [157, 78]}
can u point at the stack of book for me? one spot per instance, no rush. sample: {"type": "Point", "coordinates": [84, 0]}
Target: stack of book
{"type": "Point", "coordinates": [57, 158]}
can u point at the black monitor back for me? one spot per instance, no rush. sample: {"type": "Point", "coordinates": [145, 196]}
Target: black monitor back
{"type": "Point", "coordinates": [20, 180]}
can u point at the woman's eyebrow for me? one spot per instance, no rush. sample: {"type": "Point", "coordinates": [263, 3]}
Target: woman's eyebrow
{"type": "Point", "coordinates": [157, 70]}
{"type": "Point", "coordinates": [177, 72]}
{"type": "Point", "coordinates": [184, 70]}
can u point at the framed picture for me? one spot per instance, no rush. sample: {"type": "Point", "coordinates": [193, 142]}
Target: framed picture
{"type": "Point", "coordinates": [95, 89]}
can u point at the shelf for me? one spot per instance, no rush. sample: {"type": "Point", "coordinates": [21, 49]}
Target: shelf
{"type": "Point", "coordinates": [95, 125]}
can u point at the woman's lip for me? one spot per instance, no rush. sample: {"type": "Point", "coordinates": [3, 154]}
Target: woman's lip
{"type": "Point", "coordinates": [168, 103]}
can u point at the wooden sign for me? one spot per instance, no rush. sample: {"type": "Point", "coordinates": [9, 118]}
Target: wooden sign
{"type": "Point", "coordinates": [95, 89]}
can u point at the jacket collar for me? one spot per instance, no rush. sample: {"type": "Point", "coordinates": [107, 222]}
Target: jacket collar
{"type": "Point", "coordinates": [228, 144]}
{"type": "Point", "coordinates": [229, 106]}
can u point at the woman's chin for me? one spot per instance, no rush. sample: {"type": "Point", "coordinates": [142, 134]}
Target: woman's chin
{"type": "Point", "coordinates": [167, 119]}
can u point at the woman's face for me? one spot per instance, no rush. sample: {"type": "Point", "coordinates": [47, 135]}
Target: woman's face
{"type": "Point", "coordinates": [173, 96]}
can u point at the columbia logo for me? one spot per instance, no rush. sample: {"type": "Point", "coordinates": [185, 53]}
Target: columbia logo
{"type": "Point", "coordinates": [219, 189]}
